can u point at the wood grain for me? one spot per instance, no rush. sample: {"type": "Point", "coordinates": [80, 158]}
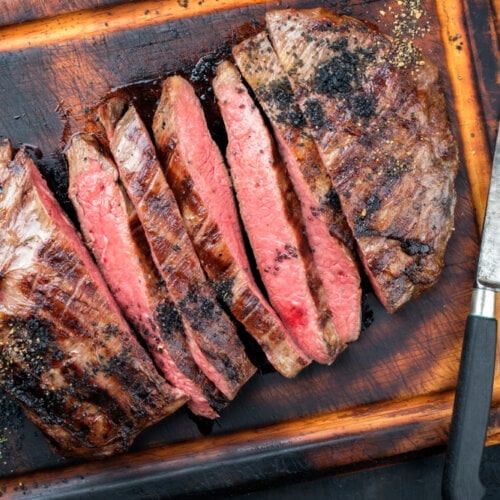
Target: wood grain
{"type": "Point", "coordinates": [389, 393]}
{"type": "Point", "coordinates": [19, 11]}
{"type": "Point", "coordinates": [309, 445]}
{"type": "Point", "coordinates": [483, 31]}
{"type": "Point", "coordinates": [461, 70]}
{"type": "Point", "coordinates": [87, 23]}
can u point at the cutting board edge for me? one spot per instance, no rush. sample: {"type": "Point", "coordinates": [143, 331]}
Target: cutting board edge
{"type": "Point", "coordinates": [468, 107]}
{"type": "Point", "coordinates": [312, 445]}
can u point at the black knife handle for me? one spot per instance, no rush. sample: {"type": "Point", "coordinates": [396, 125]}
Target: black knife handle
{"type": "Point", "coordinates": [471, 411]}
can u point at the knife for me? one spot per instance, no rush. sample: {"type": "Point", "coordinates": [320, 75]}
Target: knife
{"type": "Point", "coordinates": [471, 407]}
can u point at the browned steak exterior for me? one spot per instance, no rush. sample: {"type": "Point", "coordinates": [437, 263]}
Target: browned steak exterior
{"type": "Point", "coordinates": [66, 353]}
{"type": "Point", "coordinates": [212, 337]}
{"type": "Point", "coordinates": [272, 219]}
{"type": "Point", "coordinates": [114, 233]}
{"type": "Point", "coordinates": [381, 126]}
{"type": "Point", "coordinates": [263, 72]}
{"type": "Point", "coordinates": [196, 173]}
{"type": "Point", "coordinates": [327, 231]}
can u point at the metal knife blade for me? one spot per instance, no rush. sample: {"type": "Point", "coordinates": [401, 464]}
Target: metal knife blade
{"type": "Point", "coordinates": [469, 422]}
{"type": "Point", "coordinates": [488, 269]}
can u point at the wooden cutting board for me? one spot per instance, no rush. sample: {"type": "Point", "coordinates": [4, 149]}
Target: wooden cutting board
{"type": "Point", "coordinates": [391, 392]}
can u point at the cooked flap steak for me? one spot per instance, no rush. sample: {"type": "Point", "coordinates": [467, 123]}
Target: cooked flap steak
{"type": "Point", "coordinates": [212, 337]}
{"type": "Point", "coordinates": [271, 215]}
{"type": "Point", "coordinates": [112, 230]}
{"type": "Point", "coordinates": [66, 353]}
{"type": "Point", "coordinates": [379, 120]}
{"type": "Point", "coordinates": [324, 222]}
{"type": "Point", "coordinates": [197, 175]}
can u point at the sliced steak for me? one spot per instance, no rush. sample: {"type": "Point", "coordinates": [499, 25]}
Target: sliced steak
{"type": "Point", "coordinates": [66, 353]}
{"type": "Point", "coordinates": [271, 215]}
{"type": "Point", "coordinates": [381, 126]}
{"type": "Point", "coordinates": [197, 175]}
{"type": "Point", "coordinates": [325, 224]}
{"type": "Point", "coordinates": [212, 337]}
{"type": "Point", "coordinates": [113, 232]}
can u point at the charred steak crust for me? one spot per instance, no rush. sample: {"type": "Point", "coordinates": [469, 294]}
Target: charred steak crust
{"type": "Point", "coordinates": [196, 173]}
{"type": "Point", "coordinates": [114, 233]}
{"type": "Point", "coordinates": [212, 337]}
{"type": "Point", "coordinates": [327, 231]}
{"type": "Point", "coordinates": [66, 353]}
{"type": "Point", "coordinates": [382, 130]}
{"type": "Point", "coordinates": [263, 72]}
{"type": "Point", "coordinates": [271, 216]}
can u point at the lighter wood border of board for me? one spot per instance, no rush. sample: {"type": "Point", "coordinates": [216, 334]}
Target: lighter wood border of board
{"type": "Point", "coordinates": [101, 21]}
{"type": "Point", "coordinates": [462, 76]}
{"type": "Point", "coordinates": [322, 442]}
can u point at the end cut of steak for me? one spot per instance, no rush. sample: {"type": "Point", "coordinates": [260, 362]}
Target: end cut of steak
{"type": "Point", "coordinates": [212, 337]}
{"type": "Point", "coordinates": [113, 232]}
{"type": "Point", "coordinates": [271, 215]}
{"type": "Point", "coordinates": [66, 353]}
{"type": "Point", "coordinates": [326, 227]}
{"type": "Point", "coordinates": [382, 130]}
{"type": "Point", "coordinates": [197, 175]}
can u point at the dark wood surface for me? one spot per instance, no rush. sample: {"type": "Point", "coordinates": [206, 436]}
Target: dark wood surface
{"type": "Point", "coordinates": [391, 392]}
{"type": "Point", "coordinates": [19, 11]}
{"type": "Point", "coordinates": [483, 28]}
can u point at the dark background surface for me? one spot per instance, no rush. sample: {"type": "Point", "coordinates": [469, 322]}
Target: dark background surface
{"type": "Point", "coordinates": [415, 478]}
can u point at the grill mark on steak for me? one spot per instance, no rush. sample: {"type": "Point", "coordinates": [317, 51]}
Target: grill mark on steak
{"type": "Point", "coordinates": [328, 233]}
{"type": "Point", "coordinates": [66, 353]}
{"type": "Point", "coordinates": [211, 336]}
{"type": "Point", "coordinates": [196, 173]}
{"type": "Point", "coordinates": [270, 212]}
{"type": "Point", "coordinates": [383, 132]}
{"type": "Point", "coordinates": [113, 231]}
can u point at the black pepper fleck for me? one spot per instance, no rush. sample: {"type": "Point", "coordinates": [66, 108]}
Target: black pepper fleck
{"type": "Point", "coordinates": [279, 94]}
{"type": "Point", "coordinates": [314, 113]}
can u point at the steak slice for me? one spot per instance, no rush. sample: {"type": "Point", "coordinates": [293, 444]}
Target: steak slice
{"type": "Point", "coordinates": [382, 130]}
{"type": "Point", "coordinates": [271, 215]}
{"type": "Point", "coordinates": [325, 224]}
{"type": "Point", "coordinates": [212, 337]}
{"type": "Point", "coordinates": [66, 353]}
{"type": "Point", "coordinates": [197, 175]}
{"type": "Point", "coordinates": [113, 232]}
